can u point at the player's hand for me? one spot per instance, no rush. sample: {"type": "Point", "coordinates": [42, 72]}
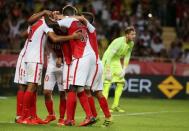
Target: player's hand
{"type": "Point", "coordinates": [82, 19]}
{"type": "Point", "coordinates": [56, 12]}
{"type": "Point", "coordinates": [47, 12]}
{"type": "Point", "coordinates": [58, 62]}
{"type": "Point", "coordinates": [55, 15]}
{"type": "Point", "coordinates": [77, 35]}
{"type": "Point", "coordinates": [122, 73]}
{"type": "Point", "coordinates": [108, 75]}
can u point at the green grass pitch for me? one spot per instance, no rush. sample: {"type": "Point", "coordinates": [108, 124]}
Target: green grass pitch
{"type": "Point", "coordinates": [141, 115]}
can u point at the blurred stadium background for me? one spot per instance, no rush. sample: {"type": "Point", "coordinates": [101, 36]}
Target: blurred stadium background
{"type": "Point", "coordinates": [159, 67]}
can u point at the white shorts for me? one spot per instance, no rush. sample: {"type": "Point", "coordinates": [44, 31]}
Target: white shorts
{"type": "Point", "coordinates": [34, 72]}
{"type": "Point", "coordinates": [53, 76]}
{"type": "Point", "coordinates": [79, 71]}
{"type": "Point", "coordinates": [20, 73]}
{"type": "Point", "coordinates": [97, 80]}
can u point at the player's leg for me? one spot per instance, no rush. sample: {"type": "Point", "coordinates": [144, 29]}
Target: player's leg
{"type": "Point", "coordinates": [34, 74]}
{"type": "Point", "coordinates": [49, 106]}
{"type": "Point", "coordinates": [27, 102]}
{"type": "Point", "coordinates": [80, 72]}
{"type": "Point", "coordinates": [91, 102]}
{"type": "Point", "coordinates": [93, 72]}
{"type": "Point", "coordinates": [97, 87]}
{"type": "Point", "coordinates": [19, 100]}
{"type": "Point", "coordinates": [106, 82]}
{"type": "Point", "coordinates": [119, 81]}
{"type": "Point", "coordinates": [104, 106]}
{"type": "Point", "coordinates": [62, 104]}
{"type": "Point", "coordinates": [62, 108]}
{"type": "Point", "coordinates": [19, 78]}
{"type": "Point", "coordinates": [85, 105]}
{"type": "Point", "coordinates": [71, 105]}
{"type": "Point", "coordinates": [71, 96]}
{"type": "Point", "coordinates": [118, 92]}
{"type": "Point", "coordinates": [106, 88]}
{"type": "Point", "coordinates": [49, 83]}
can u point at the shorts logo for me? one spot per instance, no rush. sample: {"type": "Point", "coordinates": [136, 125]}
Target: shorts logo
{"type": "Point", "coordinates": [46, 78]}
{"type": "Point", "coordinates": [170, 87]}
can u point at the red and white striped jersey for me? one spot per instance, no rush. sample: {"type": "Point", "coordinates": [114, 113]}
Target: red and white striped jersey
{"type": "Point", "coordinates": [79, 48]}
{"type": "Point", "coordinates": [36, 42]}
{"type": "Point", "coordinates": [93, 39]}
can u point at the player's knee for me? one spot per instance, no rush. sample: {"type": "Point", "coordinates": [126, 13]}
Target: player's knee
{"type": "Point", "coordinates": [88, 92]}
{"type": "Point", "coordinates": [22, 87]}
{"type": "Point", "coordinates": [73, 88]}
{"type": "Point", "coordinates": [62, 95]}
{"type": "Point", "coordinates": [120, 85]}
{"type": "Point", "coordinates": [47, 93]}
{"type": "Point", "coordinates": [99, 94]}
{"type": "Point", "coordinates": [80, 89]}
{"type": "Point", "coordinates": [32, 87]}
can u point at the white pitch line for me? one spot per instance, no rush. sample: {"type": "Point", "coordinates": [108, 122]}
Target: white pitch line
{"type": "Point", "coordinates": [119, 115]}
{"type": "Point", "coordinates": [140, 113]}
{"type": "Point", "coordinates": [3, 97]}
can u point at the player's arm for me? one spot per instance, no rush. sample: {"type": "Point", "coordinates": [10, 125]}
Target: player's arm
{"type": "Point", "coordinates": [51, 22]}
{"type": "Point", "coordinates": [24, 34]}
{"type": "Point", "coordinates": [57, 38]}
{"type": "Point", "coordinates": [81, 19]}
{"type": "Point", "coordinates": [38, 15]}
{"type": "Point", "coordinates": [126, 60]}
{"type": "Point", "coordinates": [128, 55]}
{"type": "Point", "coordinates": [90, 27]}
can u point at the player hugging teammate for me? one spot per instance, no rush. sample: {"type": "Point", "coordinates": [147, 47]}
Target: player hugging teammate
{"type": "Point", "coordinates": [72, 63]}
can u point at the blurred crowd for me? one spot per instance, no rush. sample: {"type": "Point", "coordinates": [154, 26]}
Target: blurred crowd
{"type": "Point", "coordinates": [111, 17]}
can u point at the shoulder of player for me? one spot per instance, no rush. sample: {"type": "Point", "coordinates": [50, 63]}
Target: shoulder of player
{"type": "Point", "coordinates": [120, 38]}
{"type": "Point", "coordinates": [117, 41]}
{"type": "Point", "coordinates": [69, 18]}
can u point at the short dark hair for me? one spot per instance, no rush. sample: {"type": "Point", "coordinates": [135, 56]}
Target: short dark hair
{"type": "Point", "coordinates": [129, 29]}
{"type": "Point", "coordinates": [89, 16]}
{"type": "Point", "coordinates": [69, 10]}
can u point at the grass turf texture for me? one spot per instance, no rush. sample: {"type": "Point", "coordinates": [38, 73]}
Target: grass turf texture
{"type": "Point", "coordinates": [141, 115]}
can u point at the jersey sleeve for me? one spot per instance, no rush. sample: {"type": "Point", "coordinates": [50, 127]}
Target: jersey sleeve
{"type": "Point", "coordinates": [65, 22]}
{"type": "Point", "coordinates": [90, 27]}
{"type": "Point", "coordinates": [128, 55]}
{"type": "Point", "coordinates": [47, 29]}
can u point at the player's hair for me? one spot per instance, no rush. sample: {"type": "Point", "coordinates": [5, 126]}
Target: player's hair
{"type": "Point", "coordinates": [89, 16]}
{"type": "Point", "coordinates": [129, 29]}
{"type": "Point", "coordinates": [69, 10]}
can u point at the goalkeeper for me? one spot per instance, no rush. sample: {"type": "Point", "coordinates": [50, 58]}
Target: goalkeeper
{"type": "Point", "coordinates": [114, 69]}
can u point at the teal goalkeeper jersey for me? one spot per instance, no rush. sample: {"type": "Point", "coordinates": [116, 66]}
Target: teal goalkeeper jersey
{"type": "Point", "coordinates": [116, 50]}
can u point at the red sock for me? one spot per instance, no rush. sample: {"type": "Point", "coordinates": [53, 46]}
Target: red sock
{"type": "Point", "coordinates": [70, 104]}
{"type": "Point", "coordinates": [104, 106]}
{"type": "Point", "coordinates": [62, 107]}
{"type": "Point", "coordinates": [26, 104]}
{"type": "Point", "coordinates": [92, 105]}
{"type": "Point", "coordinates": [33, 104]}
{"type": "Point", "coordinates": [49, 106]}
{"type": "Point", "coordinates": [84, 103]}
{"type": "Point", "coordinates": [20, 98]}
{"type": "Point", "coordinates": [74, 110]}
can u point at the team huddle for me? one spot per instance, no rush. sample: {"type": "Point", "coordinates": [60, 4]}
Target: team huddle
{"type": "Point", "coordinates": [76, 72]}
{"type": "Point", "coordinates": [68, 39]}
